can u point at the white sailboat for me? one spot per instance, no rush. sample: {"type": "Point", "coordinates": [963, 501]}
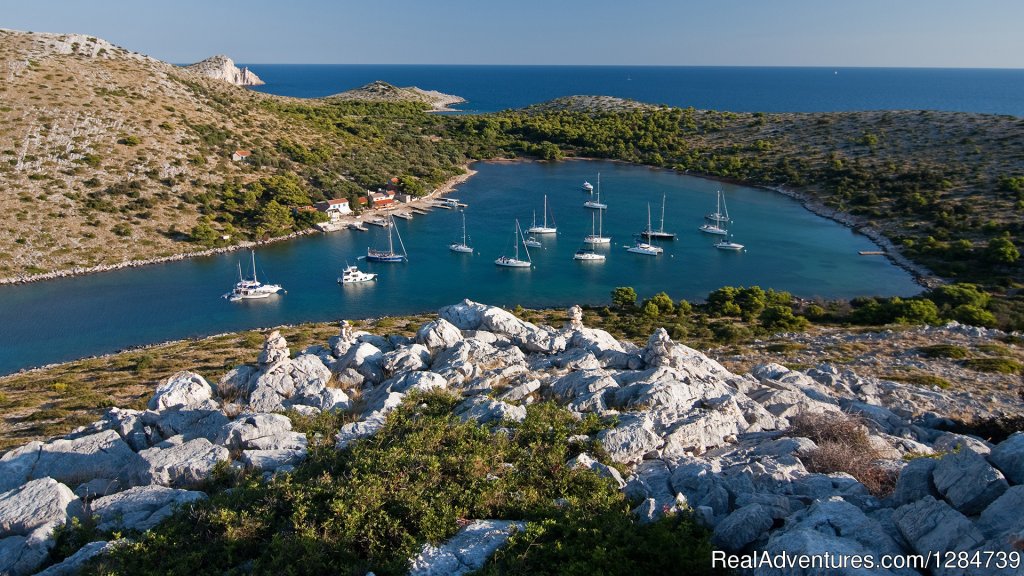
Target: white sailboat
{"type": "Point", "coordinates": [353, 275]}
{"type": "Point", "coordinates": [462, 247]}
{"type": "Point", "coordinates": [514, 261]}
{"type": "Point", "coordinates": [721, 213]}
{"type": "Point", "coordinates": [388, 255]}
{"type": "Point", "coordinates": [597, 238]}
{"type": "Point", "coordinates": [716, 218]}
{"type": "Point", "coordinates": [660, 232]}
{"type": "Point", "coordinates": [641, 247]}
{"type": "Point", "coordinates": [251, 288]}
{"type": "Point", "coordinates": [596, 204]}
{"type": "Point", "coordinates": [545, 229]}
{"type": "Point", "coordinates": [588, 255]}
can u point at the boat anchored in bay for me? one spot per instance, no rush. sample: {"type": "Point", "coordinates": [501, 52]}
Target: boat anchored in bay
{"type": "Point", "coordinates": [462, 247]}
{"type": "Point", "coordinates": [389, 255]}
{"type": "Point", "coordinates": [251, 288]}
{"type": "Point", "coordinates": [713, 227]}
{"type": "Point", "coordinates": [545, 229]}
{"type": "Point", "coordinates": [660, 233]}
{"type": "Point", "coordinates": [353, 275]}
{"type": "Point", "coordinates": [514, 261]}
{"type": "Point", "coordinates": [596, 204]}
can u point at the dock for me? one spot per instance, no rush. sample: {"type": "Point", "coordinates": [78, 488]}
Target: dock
{"type": "Point", "coordinates": [871, 253]}
{"type": "Point", "coordinates": [358, 226]}
{"type": "Point", "coordinates": [421, 211]}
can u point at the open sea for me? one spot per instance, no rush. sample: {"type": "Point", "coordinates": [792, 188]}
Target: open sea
{"type": "Point", "coordinates": [788, 248]}
{"type": "Point", "coordinates": [738, 89]}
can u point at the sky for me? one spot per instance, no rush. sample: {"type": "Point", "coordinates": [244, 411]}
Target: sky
{"type": "Point", "coordinates": [888, 33]}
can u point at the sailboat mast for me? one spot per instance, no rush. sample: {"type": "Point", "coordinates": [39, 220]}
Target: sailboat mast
{"type": "Point", "coordinates": [523, 240]}
{"type": "Point", "coordinates": [600, 220]}
{"type": "Point", "coordinates": [648, 218]}
{"type": "Point", "coordinates": [662, 213]}
{"type": "Point", "coordinates": [400, 243]}
{"type": "Point", "coordinates": [254, 266]}
{"type": "Point", "coordinates": [545, 210]}
{"type": "Point", "coordinates": [464, 229]}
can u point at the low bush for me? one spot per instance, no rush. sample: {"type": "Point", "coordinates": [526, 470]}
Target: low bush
{"type": "Point", "coordinates": [943, 351]}
{"type": "Point", "coordinates": [996, 365]}
{"type": "Point", "coordinates": [843, 446]}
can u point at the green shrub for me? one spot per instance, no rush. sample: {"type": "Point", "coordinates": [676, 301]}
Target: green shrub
{"type": "Point", "coordinates": [943, 351]}
{"type": "Point", "coordinates": [995, 365]}
{"type": "Point", "coordinates": [372, 505]}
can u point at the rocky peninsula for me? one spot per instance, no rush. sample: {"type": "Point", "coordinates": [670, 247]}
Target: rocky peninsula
{"type": "Point", "coordinates": [220, 67]}
{"type": "Point", "coordinates": [762, 459]}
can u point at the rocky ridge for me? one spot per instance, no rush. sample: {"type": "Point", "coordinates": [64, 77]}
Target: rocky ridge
{"type": "Point", "coordinates": [693, 435]}
{"type": "Point", "coordinates": [220, 67]}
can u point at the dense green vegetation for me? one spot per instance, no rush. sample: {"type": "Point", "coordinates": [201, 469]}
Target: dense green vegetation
{"type": "Point", "coordinates": [732, 314]}
{"type": "Point", "coordinates": [372, 505]}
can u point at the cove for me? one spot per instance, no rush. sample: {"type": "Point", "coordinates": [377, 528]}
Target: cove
{"type": "Point", "coordinates": [787, 248]}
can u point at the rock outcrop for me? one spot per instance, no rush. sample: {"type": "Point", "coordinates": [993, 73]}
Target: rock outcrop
{"type": "Point", "coordinates": [693, 436]}
{"type": "Point", "coordinates": [220, 67]}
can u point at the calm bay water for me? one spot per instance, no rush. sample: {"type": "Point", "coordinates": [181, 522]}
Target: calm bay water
{"type": "Point", "coordinates": [788, 248]}
{"type": "Point", "coordinates": [739, 89]}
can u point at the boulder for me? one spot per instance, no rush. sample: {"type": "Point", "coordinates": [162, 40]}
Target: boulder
{"type": "Point", "coordinates": [364, 358]}
{"type": "Point", "coordinates": [741, 527]}
{"type": "Point", "coordinates": [1008, 456]}
{"type": "Point", "coordinates": [967, 481]}
{"type": "Point", "coordinates": [466, 315]}
{"type": "Point", "coordinates": [140, 508]}
{"type": "Point", "coordinates": [485, 410]}
{"type": "Point", "coordinates": [915, 482]}
{"type": "Point", "coordinates": [465, 552]}
{"type": "Point", "coordinates": [632, 438]}
{"type": "Point", "coordinates": [574, 318]}
{"type": "Point", "coordinates": [72, 462]}
{"type": "Point", "coordinates": [270, 460]}
{"type": "Point", "coordinates": [1002, 520]}
{"type": "Point", "coordinates": [931, 525]}
{"type": "Point", "coordinates": [75, 564]}
{"type": "Point", "coordinates": [584, 461]}
{"type": "Point", "coordinates": [438, 334]}
{"type": "Point", "coordinates": [183, 390]}
{"type": "Point", "coordinates": [952, 442]}
{"type": "Point", "coordinates": [23, 555]}
{"type": "Point", "coordinates": [241, 432]}
{"type": "Point", "coordinates": [39, 503]}
{"type": "Point", "coordinates": [702, 485]}
{"type": "Point", "coordinates": [237, 383]}
{"type": "Point", "coordinates": [275, 350]}
{"type": "Point", "coordinates": [189, 424]}
{"type": "Point", "coordinates": [582, 383]}
{"type": "Point", "coordinates": [186, 465]}
{"type": "Point", "coordinates": [406, 359]}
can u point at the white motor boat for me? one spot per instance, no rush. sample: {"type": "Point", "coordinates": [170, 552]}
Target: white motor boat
{"type": "Point", "coordinates": [588, 187]}
{"type": "Point", "coordinates": [588, 255]}
{"type": "Point", "coordinates": [353, 275]}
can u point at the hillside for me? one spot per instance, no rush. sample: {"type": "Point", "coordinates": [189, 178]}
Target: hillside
{"type": "Point", "coordinates": [111, 156]}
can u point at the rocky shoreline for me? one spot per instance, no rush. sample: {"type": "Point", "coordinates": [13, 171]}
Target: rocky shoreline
{"type": "Point", "coordinates": [734, 450]}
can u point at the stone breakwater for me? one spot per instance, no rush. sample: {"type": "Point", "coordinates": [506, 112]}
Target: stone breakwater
{"type": "Point", "coordinates": [693, 435]}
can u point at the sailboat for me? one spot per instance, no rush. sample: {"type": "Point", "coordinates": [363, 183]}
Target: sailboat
{"type": "Point", "coordinates": [545, 229]}
{"type": "Point", "coordinates": [597, 205]}
{"type": "Point", "coordinates": [597, 238]}
{"type": "Point", "coordinates": [641, 247]}
{"type": "Point", "coordinates": [388, 255]}
{"type": "Point", "coordinates": [462, 247]}
{"type": "Point", "coordinates": [660, 232]}
{"type": "Point", "coordinates": [719, 215]}
{"type": "Point", "coordinates": [716, 218]}
{"type": "Point", "coordinates": [251, 288]}
{"type": "Point", "coordinates": [514, 261]}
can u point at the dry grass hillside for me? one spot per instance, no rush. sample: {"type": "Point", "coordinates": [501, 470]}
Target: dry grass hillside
{"type": "Point", "coordinates": [80, 117]}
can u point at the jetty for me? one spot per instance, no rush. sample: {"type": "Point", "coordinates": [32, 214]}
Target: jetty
{"type": "Point", "coordinates": [871, 253]}
{"type": "Point", "coordinates": [421, 211]}
{"type": "Point", "coordinates": [358, 226]}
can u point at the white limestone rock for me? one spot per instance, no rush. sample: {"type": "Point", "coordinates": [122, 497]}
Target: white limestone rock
{"type": "Point", "coordinates": [485, 410]}
{"type": "Point", "coordinates": [273, 459]}
{"type": "Point", "coordinates": [186, 465]}
{"type": "Point", "coordinates": [182, 390]}
{"type": "Point", "coordinates": [140, 508]}
{"type": "Point", "coordinates": [364, 358]}
{"type": "Point", "coordinates": [632, 438]}
{"type": "Point", "coordinates": [1008, 456]}
{"type": "Point", "coordinates": [438, 334]}
{"type": "Point", "coordinates": [72, 462]}
{"type": "Point", "coordinates": [465, 552]}
{"type": "Point", "coordinates": [967, 481]}
{"type": "Point", "coordinates": [275, 350]}
{"type": "Point", "coordinates": [915, 482]}
{"type": "Point", "coordinates": [931, 525]}
{"type": "Point", "coordinates": [466, 315]}
{"type": "Point", "coordinates": [741, 527]}
{"type": "Point", "coordinates": [42, 502]}
{"type": "Point", "coordinates": [220, 67]}
{"type": "Point", "coordinates": [243, 431]}
{"type": "Point", "coordinates": [74, 564]}
{"type": "Point", "coordinates": [406, 359]}
{"type": "Point", "coordinates": [584, 461]}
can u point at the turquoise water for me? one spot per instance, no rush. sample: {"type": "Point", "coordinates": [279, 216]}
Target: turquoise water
{"type": "Point", "coordinates": [734, 88]}
{"type": "Point", "coordinates": [788, 248]}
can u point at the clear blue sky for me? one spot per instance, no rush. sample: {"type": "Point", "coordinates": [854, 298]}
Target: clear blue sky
{"type": "Point", "coordinates": [942, 33]}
